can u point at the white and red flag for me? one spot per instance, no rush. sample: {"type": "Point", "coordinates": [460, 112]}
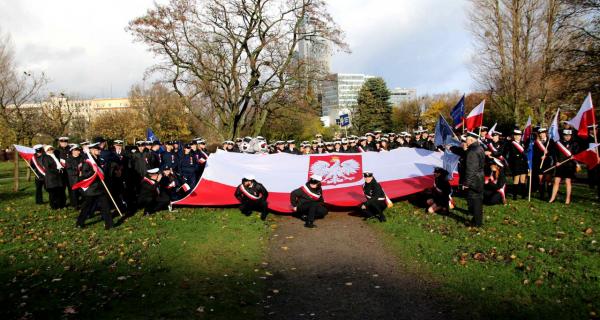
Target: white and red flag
{"type": "Point", "coordinates": [584, 118]}
{"type": "Point", "coordinates": [527, 130]}
{"type": "Point", "coordinates": [589, 156]}
{"type": "Point", "coordinates": [25, 152]}
{"type": "Point", "coordinates": [492, 130]}
{"type": "Point", "coordinates": [400, 172]}
{"type": "Point", "coordinates": [98, 174]}
{"type": "Point", "coordinates": [475, 118]}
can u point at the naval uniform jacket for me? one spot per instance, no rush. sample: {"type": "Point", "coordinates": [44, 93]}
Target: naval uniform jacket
{"type": "Point", "coordinates": [516, 155]}
{"type": "Point", "coordinates": [256, 192]}
{"type": "Point", "coordinates": [374, 194]}
{"type": "Point", "coordinates": [305, 197]}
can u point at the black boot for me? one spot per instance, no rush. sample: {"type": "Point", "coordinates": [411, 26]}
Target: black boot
{"type": "Point", "coordinates": [263, 215]}
{"type": "Point", "coordinates": [542, 190]}
{"type": "Point", "coordinates": [381, 217]}
{"type": "Point", "coordinates": [524, 190]}
{"type": "Point", "coordinates": [515, 190]}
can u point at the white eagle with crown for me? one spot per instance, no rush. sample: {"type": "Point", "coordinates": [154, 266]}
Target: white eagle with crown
{"type": "Point", "coordinates": [337, 172]}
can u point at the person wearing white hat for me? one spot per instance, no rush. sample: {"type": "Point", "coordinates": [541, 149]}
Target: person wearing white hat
{"type": "Point", "coordinates": [561, 153]}
{"type": "Point", "coordinates": [376, 198]}
{"type": "Point", "coordinates": [54, 181]}
{"type": "Point", "coordinates": [307, 201]}
{"type": "Point", "coordinates": [74, 163]}
{"type": "Point", "coordinates": [516, 155]}
{"type": "Point", "coordinates": [40, 173]}
{"type": "Point", "coordinates": [151, 197]}
{"type": "Point", "coordinates": [252, 197]}
{"type": "Point", "coordinates": [95, 195]}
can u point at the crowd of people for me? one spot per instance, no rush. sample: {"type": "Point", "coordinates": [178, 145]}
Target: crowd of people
{"type": "Point", "coordinates": [151, 174]}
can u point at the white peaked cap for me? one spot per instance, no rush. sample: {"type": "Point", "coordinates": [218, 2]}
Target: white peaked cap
{"type": "Point", "coordinates": [153, 170]}
{"type": "Point", "coordinates": [316, 177]}
{"type": "Point", "coordinates": [249, 177]}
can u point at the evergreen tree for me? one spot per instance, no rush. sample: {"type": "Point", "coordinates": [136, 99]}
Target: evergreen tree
{"type": "Point", "coordinates": [374, 111]}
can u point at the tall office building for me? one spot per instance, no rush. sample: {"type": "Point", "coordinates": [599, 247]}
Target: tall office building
{"type": "Point", "coordinates": [340, 95]}
{"type": "Point", "coordinates": [401, 95]}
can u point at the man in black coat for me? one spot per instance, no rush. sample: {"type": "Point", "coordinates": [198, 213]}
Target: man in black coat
{"type": "Point", "coordinates": [73, 166]}
{"type": "Point", "coordinates": [95, 194]}
{"type": "Point", "coordinates": [40, 173]}
{"type": "Point", "coordinates": [151, 197]}
{"type": "Point", "coordinates": [308, 202]}
{"type": "Point", "coordinates": [376, 198]}
{"type": "Point", "coordinates": [54, 182]}
{"type": "Point", "coordinates": [474, 178]}
{"type": "Point", "coordinates": [252, 197]}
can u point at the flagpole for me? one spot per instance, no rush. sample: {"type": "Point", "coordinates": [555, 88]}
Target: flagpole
{"type": "Point", "coordinates": [449, 125]}
{"type": "Point", "coordinates": [111, 197]}
{"type": "Point", "coordinates": [30, 167]}
{"type": "Point", "coordinates": [559, 164]}
{"type": "Point", "coordinates": [530, 178]}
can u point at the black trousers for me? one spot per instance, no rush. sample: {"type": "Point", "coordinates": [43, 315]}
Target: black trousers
{"type": "Point", "coordinates": [246, 207]}
{"type": "Point", "coordinates": [90, 204]}
{"type": "Point", "coordinates": [312, 212]}
{"type": "Point", "coordinates": [75, 198]}
{"type": "Point", "coordinates": [57, 197]}
{"type": "Point", "coordinates": [475, 203]}
{"type": "Point", "coordinates": [375, 208]}
{"type": "Point", "coordinates": [491, 198]}
{"type": "Point", "coordinates": [39, 191]}
{"type": "Point", "coordinates": [161, 203]}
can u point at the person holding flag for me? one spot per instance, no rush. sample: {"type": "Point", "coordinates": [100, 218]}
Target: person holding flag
{"type": "Point", "coordinates": [566, 168]}
{"type": "Point", "coordinates": [252, 197]}
{"type": "Point", "coordinates": [95, 193]}
{"type": "Point", "coordinates": [39, 171]}
{"type": "Point", "coordinates": [54, 182]}
{"type": "Point", "coordinates": [376, 198]}
{"type": "Point", "coordinates": [516, 156]}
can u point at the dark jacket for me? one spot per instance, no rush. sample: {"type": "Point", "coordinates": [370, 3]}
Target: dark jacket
{"type": "Point", "coordinates": [474, 163]}
{"type": "Point", "coordinates": [256, 190]}
{"type": "Point", "coordinates": [53, 172]}
{"type": "Point", "coordinates": [306, 196]}
{"type": "Point", "coordinates": [149, 191]}
{"type": "Point", "coordinates": [373, 192]}
{"type": "Point", "coordinates": [87, 170]}
{"type": "Point", "coordinates": [441, 191]}
{"type": "Point", "coordinates": [517, 160]}
{"type": "Point", "coordinates": [74, 168]}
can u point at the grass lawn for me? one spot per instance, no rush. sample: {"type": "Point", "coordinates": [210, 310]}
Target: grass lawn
{"type": "Point", "coordinates": [530, 260]}
{"type": "Point", "coordinates": [189, 264]}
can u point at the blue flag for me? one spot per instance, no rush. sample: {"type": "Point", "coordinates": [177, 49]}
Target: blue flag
{"type": "Point", "coordinates": [150, 135]}
{"type": "Point", "coordinates": [443, 134]}
{"type": "Point", "coordinates": [458, 113]}
{"type": "Point", "coordinates": [530, 153]}
{"type": "Point", "coordinates": [450, 163]}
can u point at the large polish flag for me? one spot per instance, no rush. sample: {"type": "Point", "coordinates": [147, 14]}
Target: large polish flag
{"type": "Point", "coordinates": [584, 118]}
{"type": "Point", "coordinates": [400, 172]}
{"type": "Point", "coordinates": [475, 118]}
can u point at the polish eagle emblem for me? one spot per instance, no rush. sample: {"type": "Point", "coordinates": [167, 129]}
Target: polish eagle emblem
{"type": "Point", "coordinates": [335, 171]}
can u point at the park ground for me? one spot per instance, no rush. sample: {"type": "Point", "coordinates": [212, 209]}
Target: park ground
{"type": "Point", "coordinates": [530, 261]}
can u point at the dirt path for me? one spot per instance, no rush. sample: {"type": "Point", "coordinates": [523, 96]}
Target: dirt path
{"type": "Point", "coordinates": [341, 270]}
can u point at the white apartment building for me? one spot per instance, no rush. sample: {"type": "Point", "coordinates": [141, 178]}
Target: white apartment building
{"type": "Point", "coordinates": [340, 95]}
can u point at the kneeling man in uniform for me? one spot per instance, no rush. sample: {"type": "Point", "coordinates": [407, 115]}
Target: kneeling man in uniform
{"type": "Point", "coordinates": [252, 196]}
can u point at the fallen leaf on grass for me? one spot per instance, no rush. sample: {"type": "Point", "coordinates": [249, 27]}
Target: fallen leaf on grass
{"type": "Point", "coordinates": [69, 310]}
{"type": "Point", "coordinates": [284, 248]}
{"type": "Point", "coordinates": [200, 309]}
{"type": "Point", "coordinates": [348, 283]}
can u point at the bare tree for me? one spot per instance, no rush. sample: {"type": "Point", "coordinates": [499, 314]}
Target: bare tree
{"type": "Point", "coordinates": [18, 90]}
{"type": "Point", "coordinates": [229, 57]}
{"type": "Point", "coordinates": [58, 111]}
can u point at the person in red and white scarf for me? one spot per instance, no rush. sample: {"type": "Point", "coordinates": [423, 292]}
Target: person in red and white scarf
{"type": "Point", "coordinates": [542, 161]}
{"type": "Point", "coordinates": [151, 197]}
{"type": "Point", "coordinates": [516, 155]}
{"type": "Point", "coordinates": [40, 173]}
{"type": "Point", "coordinates": [376, 198]}
{"type": "Point", "coordinates": [307, 201]}
{"type": "Point", "coordinates": [252, 197]}
{"type": "Point", "coordinates": [95, 194]}
{"type": "Point", "coordinates": [495, 183]}
{"type": "Point", "coordinates": [562, 151]}
{"type": "Point", "coordinates": [54, 181]}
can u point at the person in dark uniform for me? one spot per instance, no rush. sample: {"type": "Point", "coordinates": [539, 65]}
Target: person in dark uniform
{"type": "Point", "coordinates": [138, 160]}
{"type": "Point", "coordinates": [440, 192]}
{"type": "Point", "coordinates": [252, 197]}
{"type": "Point", "coordinates": [62, 153]}
{"type": "Point", "coordinates": [202, 154]}
{"type": "Point", "coordinates": [95, 195]}
{"type": "Point", "coordinates": [495, 147]}
{"type": "Point", "coordinates": [426, 141]}
{"type": "Point", "coordinates": [516, 155]}
{"type": "Point", "coordinates": [188, 166]}
{"type": "Point", "coordinates": [152, 157]}
{"type": "Point", "coordinates": [40, 173]}
{"type": "Point", "coordinates": [495, 183]}
{"type": "Point", "coordinates": [169, 158]}
{"type": "Point", "coordinates": [73, 167]}
{"type": "Point", "coordinates": [54, 178]}
{"type": "Point", "coordinates": [151, 198]}
{"type": "Point", "coordinates": [371, 144]}
{"type": "Point", "coordinates": [560, 153]}
{"type": "Point", "coordinates": [541, 162]}
{"type": "Point", "coordinates": [307, 201]}
{"type": "Point", "coordinates": [376, 199]}
{"type": "Point", "coordinates": [292, 147]}
{"type": "Point", "coordinates": [474, 180]}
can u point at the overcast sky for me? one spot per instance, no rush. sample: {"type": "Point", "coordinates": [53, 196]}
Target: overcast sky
{"type": "Point", "coordinates": [83, 48]}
